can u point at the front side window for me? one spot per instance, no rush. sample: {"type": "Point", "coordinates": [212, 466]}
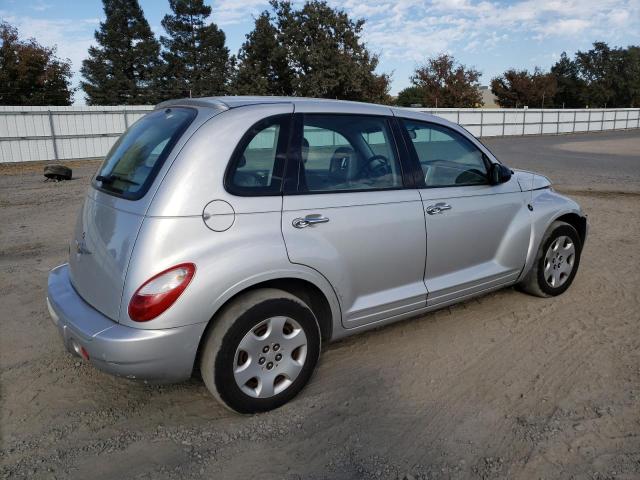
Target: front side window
{"type": "Point", "coordinates": [134, 160]}
{"type": "Point", "coordinates": [257, 165]}
{"type": "Point", "coordinates": [446, 157]}
{"type": "Point", "coordinates": [347, 153]}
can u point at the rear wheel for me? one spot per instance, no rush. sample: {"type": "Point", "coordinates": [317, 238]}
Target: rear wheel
{"type": "Point", "coordinates": [261, 351]}
{"type": "Point", "coordinates": [556, 262]}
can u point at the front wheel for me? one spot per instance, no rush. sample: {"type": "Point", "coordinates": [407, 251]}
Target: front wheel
{"type": "Point", "coordinates": [556, 262]}
{"type": "Point", "coordinates": [261, 351]}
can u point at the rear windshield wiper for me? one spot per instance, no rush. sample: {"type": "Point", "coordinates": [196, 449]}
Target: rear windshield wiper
{"type": "Point", "coordinates": [109, 179]}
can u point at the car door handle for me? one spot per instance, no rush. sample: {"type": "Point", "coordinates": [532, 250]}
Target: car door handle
{"type": "Point", "coordinates": [437, 208]}
{"type": "Point", "coordinates": [309, 220]}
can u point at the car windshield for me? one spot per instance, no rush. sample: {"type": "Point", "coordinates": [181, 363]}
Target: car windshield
{"type": "Point", "coordinates": [134, 160]}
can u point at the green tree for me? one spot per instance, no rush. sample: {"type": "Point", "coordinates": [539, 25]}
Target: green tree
{"type": "Point", "coordinates": [263, 66]}
{"type": "Point", "coordinates": [123, 69]}
{"type": "Point", "coordinates": [442, 82]}
{"type": "Point", "coordinates": [518, 88]}
{"type": "Point", "coordinates": [314, 51]}
{"type": "Point", "coordinates": [600, 67]}
{"type": "Point", "coordinates": [196, 60]}
{"type": "Point", "coordinates": [599, 77]}
{"type": "Point", "coordinates": [410, 96]}
{"type": "Point", "coordinates": [570, 86]}
{"type": "Point", "coordinates": [31, 74]}
{"type": "Point", "coordinates": [630, 95]}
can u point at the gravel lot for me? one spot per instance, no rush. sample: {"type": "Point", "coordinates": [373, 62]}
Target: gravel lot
{"type": "Point", "coordinates": [504, 386]}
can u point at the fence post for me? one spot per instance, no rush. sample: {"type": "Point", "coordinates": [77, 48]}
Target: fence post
{"type": "Point", "coordinates": [626, 122]}
{"type": "Point", "coordinates": [53, 135]}
{"type": "Point", "coordinates": [481, 121]}
{"type": "Point", "coordinates": [126, 120]}
{"type": "Point", "coordinates": [589, 122]}
{"type": "Point", "coordinates": [458, 121]}
{"type": "Point", "coordinates": [573, 130]}
{"type": "Point", "coordinates": [524, 119]}
{"type": "Point", "coordinates": [542, 121]}
{"type": "Point", "coordinates": [504, 119]}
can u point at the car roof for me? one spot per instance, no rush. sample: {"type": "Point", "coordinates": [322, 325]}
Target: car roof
{"type": "Point", "coordinates": [341, 106]}
{"type": "Point", "coordinates": [229, 102]}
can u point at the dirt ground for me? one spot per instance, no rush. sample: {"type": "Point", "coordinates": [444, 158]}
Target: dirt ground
{"type": "Point", "coordinates": [503, 386]}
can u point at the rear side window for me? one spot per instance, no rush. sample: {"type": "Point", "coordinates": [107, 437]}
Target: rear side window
{"type": "Point", "coordinates": [447, 158]}
{"type": "Point", "coordinates": [347, 153]}
{"type": "Point", "coordinates": [258, 162]}
{"type": "Point", "coordinates": [135, 159]}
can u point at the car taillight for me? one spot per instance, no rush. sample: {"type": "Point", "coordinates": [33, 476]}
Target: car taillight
{"type": "Point", "coordinates": [160, 292]}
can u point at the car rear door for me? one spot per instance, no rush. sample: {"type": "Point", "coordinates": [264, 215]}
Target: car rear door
{"type": "Point", "coordinates": [347, 214]}
{"type": "Point", "coordinates": [477, 233]}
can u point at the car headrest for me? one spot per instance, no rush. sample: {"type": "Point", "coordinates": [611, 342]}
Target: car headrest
{"type": "Point", "coordinates": [343, 166]}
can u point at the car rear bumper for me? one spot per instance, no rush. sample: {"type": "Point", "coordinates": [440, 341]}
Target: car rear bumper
{"type": "Point", "coordinates": [159, 356]}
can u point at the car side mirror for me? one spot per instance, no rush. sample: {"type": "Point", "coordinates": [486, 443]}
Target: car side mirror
{"type": "Point", "coordinates": [499, 174]}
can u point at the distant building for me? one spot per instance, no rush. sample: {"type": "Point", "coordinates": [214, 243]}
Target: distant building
{"type": "Point", "coordinates": [488, 97]}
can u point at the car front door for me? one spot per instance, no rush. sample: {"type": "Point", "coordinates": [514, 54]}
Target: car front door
{"type": "Point", "coordinates": [477, 233]}
{"type": "Point", "coordinates": [347, 215]}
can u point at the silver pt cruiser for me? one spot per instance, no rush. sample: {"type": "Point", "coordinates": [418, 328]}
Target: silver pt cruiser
{"type": "Point", "coordinates": [234, 235]}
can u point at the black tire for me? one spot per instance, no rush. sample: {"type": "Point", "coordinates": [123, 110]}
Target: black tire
{"type": "Point", "coordinates": [231, 324]}
{"type": "Point", "coordinates": [535, 282]}
{"type": "Point", "coordinates": [57, 172]}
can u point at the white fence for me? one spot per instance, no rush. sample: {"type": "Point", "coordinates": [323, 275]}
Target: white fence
{"type": "Point", "coordinates": [60, 133]}
{"type": "Point", "coordinates": [510, 121]}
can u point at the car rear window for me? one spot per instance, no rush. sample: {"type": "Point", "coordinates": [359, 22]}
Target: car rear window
{"type": "Point", "coordinates": [135, 159]}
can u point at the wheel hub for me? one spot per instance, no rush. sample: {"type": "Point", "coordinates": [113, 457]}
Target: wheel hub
{"type": "Point", "coordinates": [559, 261]}
{"type": "Point", "coordinates": [270, 357]}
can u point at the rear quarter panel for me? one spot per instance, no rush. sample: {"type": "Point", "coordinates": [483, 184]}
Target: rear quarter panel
{"type": "Point", "coordinates": [250, 252]}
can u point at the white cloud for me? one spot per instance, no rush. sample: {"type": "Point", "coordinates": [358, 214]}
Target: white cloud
{"type": "Point", "coordinates": [569, 26]}
{"type": "Point", "coordinates": [412, 29]}
{"type": "Point", "coordinates": [230, 12]}
{"type": "Point", "coordinates": [41, 6]}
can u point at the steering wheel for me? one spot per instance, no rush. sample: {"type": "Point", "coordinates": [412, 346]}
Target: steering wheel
{"type": "Point", "coordinates": [376, 166]}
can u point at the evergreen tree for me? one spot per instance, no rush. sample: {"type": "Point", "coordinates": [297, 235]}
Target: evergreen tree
{"type": "Point", "coordinates": [442, 82]}
{"type": "Point", "coordinates": [196, 58]}
{"type": "Point", "coordinates": [263, 65]}
{"type": "Point", "coordinates": [630, 95]}
{"type": "Point", "coordinates": [598, 67]}
{"type": "Point", "coordinates": [123, 68]}
{"type": "Point", "coordinates": [31, 74]}
{"type": "Point", "coordinates": [327, 54]}
{"type": "Point", "coordinates": [314, 51]}
{"type": "Point", "coordinates": [571, 87]}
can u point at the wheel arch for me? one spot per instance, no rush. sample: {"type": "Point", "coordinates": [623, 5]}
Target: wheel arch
{"type": "Point", "coordinates": [578, 222]}
{"type": "Point", "coordinates": [320, 298]}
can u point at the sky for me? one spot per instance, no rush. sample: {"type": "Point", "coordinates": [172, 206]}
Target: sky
{"type": "Point", "coordinates": [491, 36]}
